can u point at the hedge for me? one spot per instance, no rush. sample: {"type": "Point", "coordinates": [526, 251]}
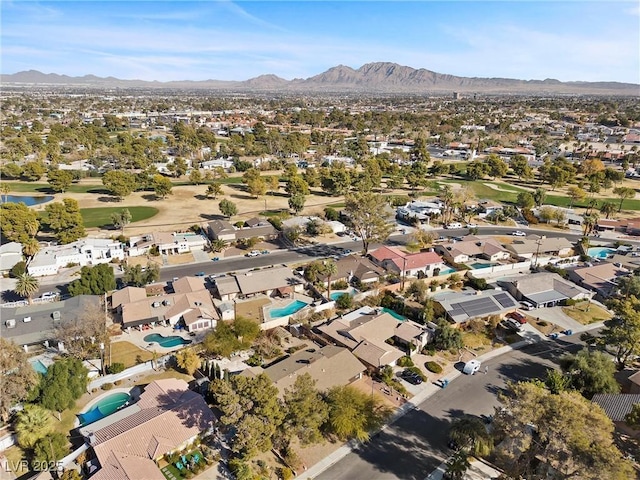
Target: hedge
{"type": "Point", "coordinates": [433, 367]}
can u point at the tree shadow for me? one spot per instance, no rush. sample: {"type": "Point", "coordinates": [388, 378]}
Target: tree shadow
{"type": "Point", "coordinates": [99, 191]}
{"type": "Point", "coordinates": [213, 216]}
{"type": "Point", "coordinates": [108, 199]}
{"type": "Point", "coordinates": [10, 296]}
{"type": "Point", "coordinates": [150, 197]}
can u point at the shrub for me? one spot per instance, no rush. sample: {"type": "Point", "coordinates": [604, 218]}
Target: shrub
{"type": "Point", "coordinates": [477, 283]}
{"type": "Point", "coordinates": [570, 302]}
{"type": "Point", "coordinates": [399, 200]}
{"type": "Point", "coordinates": [433, 367]}
{"type": "Point", "coordinates": [529, 216]}
{"type": "Point", "coordinates": [543, 323]}
{"type": "Point", "coordinates": [285, 473]}
{"type": "Point", "coordinates": [18, 269]}
{"type": "Point", "coordinates": [117, 382]}
{"type": "Point", "coordinates": [331, 214]}
{"type": "Point", "coordinates": [340, 285]}
{"type": "Point", "coordinates": [344, 301]}
{"type": "Point", "coordinates": [405, 362]}
{"type": "Point", "coordinates": [115, 367]}
{"type": "Point", "coordinates": [107, 386]}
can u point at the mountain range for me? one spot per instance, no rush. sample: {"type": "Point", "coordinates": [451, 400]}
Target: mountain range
{"type": "Point", "coordinates": [378, 77]}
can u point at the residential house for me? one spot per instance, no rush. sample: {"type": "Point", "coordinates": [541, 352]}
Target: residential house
{"type": "Point", "coordinates": [269, 281]}
{"type": "Point", "coordinates": [488, 207]}
{"type": "Point", "coordinates": [630, 226]}
{"type": "Point", "coordinates": [129, 443]}
{"type": "Point", "coordinates": [634, 383]}
{"type": "Point", "coordinates": [190, 305]}
{"type": "Point", "coordinates": [223, 163]}
{"type": "Point", "coordinates": [37, 323]}
{"type": "Point", "coordinates": [460, 307]}
{"type": "Point", "coordinates": [529, 248]}
{"type": "Point", "coordinates": [10, 254]}
{"type": "Point", "coordinates": [167, 243]}
{"type": "Point", "coordinates": [473, 247]}
{"type": "Point", "coordinates": [329, 367]}
{"type": "Point", "coordinates": [544, 289]}
{"type": "Point", "coordinates": [617, 406]}
{"type": "Point", "coordinates": [88, 251]}
{"type": "Point", "coordinates": [258, 228]}
{"type": "Point", "coordinates": [599, 278]}
{"type": "Point", "coordinates": [407, 264]}
{"type": "Point", "coordinates": [355, 268]}
{"type": "Point", "coordinates": [420, 211]}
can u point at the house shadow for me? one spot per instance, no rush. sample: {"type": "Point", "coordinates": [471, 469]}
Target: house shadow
{"type": "Point", "coordinates": [418, 434]}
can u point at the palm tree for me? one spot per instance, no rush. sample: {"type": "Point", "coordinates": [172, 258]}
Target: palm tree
{"type": "Point", "coordinates": [471, 431]}
{"type": "Point", "coordinates": [218, 245]}
{"type": "Point", "coordinates": [608, 208]}
{"type": "Point", "coordinates": [33, 423]}
{"type": "Point", "coordinates": [30, 248]}
{"type": "Point", "coordinates": [330, 269]}
{"type": "Point", "coordinates": [26, 286]}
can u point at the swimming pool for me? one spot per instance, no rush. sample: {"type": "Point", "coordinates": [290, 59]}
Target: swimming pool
{"type": "Point", "coordinates": [394, 314]}
{"type": "Point", "coordinates": [480, 265]}
{"type": "Point", "coordinates": [336, 295]}
{"type": "Point", "coordinates": [166, 342]}
{"type": "Point", "coordinates": [103, 408]}
{"type": "Point", "coordinates": [290, 309]}
{"type": "Point", "coordinates": [446, 271]}
{"type": "Point", "coordinates": [600, 252]}
{"type": "Point", "coordinates": [39, 367]}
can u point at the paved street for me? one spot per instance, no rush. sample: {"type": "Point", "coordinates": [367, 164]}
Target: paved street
{"type": "Point", "coordinates": [415, 445]}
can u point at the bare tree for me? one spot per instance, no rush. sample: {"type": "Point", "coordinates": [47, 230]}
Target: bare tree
{"type": "Point", "coordinates": [83, 335]}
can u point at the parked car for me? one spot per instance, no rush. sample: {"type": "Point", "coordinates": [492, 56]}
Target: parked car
{"type": "Point", "coordinates": [527, 306]}
{"type": "Point", "coordinates": [265, 252]}
{"type": "Point", "coordinates": [200, 274]}
{"type": "Point", "coordinates": [517, 316]}
{"type": "Point", "coordinates": [48, 295]}
{"type": "Point", "coordinates": [454, 225]}
{"type": "Point", "coordinates": [513, 324]}
{"type": "Point", "coordinates": [411, 377]}
{"type": "Point", "coordinates": [519, 233]}
{"type": "Point", "coordinates": [253, 253]}
{"type": "Point", "coordinates": [472, 225]}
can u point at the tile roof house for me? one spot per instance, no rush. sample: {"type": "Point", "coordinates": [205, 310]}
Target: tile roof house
{"type": "Point", "coordinates": [600, 278]}
{"type": "Point", "coordinates": [544, 289]}
{"type": "Point", "coordinates": [167, 417]}
{"type": "Point", "coordinates": [473, 247]}
{"type": "Point", "coordinates": [525, 249]}
{"type": "Point", "coordinates": [266, 281]}
{"type": "Point", "coordinates": [191, 304]}
{"type": "Point", "coordinates": [355, 267]}
{"type": "Point", "coordinates": [329, 366]}
{"type": "Point", "coordinates": [616, 405]}
{"type": "Point", "coordinates": [407, 264]}
{"type": "Point", "coordinates": [224, 230]}
{"type": "Point", "coordinates": [35, 324]}
{"type": "Point", "coordinates": [460, 307]}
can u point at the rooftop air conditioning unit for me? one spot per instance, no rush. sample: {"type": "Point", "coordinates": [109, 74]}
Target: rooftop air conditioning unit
{"type": "Point", "coordinates": [26, 319]}
{"type": "Point", "coordinates": [10, 323]}
{"type": "Point", "coordinates": [166, 302]}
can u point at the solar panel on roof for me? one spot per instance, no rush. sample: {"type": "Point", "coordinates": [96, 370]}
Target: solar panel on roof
{"type": "Point", "coordinates": [504, 300]}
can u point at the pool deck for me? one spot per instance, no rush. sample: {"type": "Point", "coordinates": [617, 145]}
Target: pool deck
{"type": "Point", "coordinates": [136, 337]}
{"type": "Point", "coordinates": [281, 303]}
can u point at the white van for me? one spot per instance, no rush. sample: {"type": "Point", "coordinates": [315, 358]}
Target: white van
{"type": "Point", "coordinates": [471, 367]}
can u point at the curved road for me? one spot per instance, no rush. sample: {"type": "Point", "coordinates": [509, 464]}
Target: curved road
{"type": "Point", "coordinates": [416, 444]}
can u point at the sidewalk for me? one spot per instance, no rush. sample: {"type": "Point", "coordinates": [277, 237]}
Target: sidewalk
{"type": "Point", "coordinates": [418, 399]}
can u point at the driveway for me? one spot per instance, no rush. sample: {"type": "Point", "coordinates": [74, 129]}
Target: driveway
{"type": "Point", "coordinates": [556, 316]}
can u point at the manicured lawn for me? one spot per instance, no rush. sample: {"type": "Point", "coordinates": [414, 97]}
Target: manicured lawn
{"type": "Point", "coordinates": [586, 313]}
{"type": "Point", "coordinates": [101, 216]}
{"type": "Point", "coordinates": [45, 188]}
{"type": "Point", "coordinates": [475, 341]}
{"type": "Point", "coordinates": [162, 376]}
{"type": "Point", "coordinates": [126, 353]}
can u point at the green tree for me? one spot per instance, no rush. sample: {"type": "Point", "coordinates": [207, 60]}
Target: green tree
{"type": "Point", "coordinates": [575, 194]}
{"type": "Point", "coordinates": [257, 186]}
{"type": "Point", "coordinates": [228, 208]}
{"type": "Point", "coordinates": [623, 193]}
{"type": "Point", "coordinates": [590, 372]}
{"type": "Point", "coordinates": [162, 186]}
{"type": "Point", "coordinates": [50, 449]}
{"type": "Point", "coordinates": [521, 168]}
{"type": "Point", "coordinates": [608, 209]}
{"type": "Point", "coordinates": [336, 180]}
{"type": "Point", "coordinates": [296, 202]}
{"type": "Point", "coordinates": [33, 171]}
{"type": "Point", "coordinates": [60, 180]}
{"type": "Point", "coordinates": [368, 217]}
{"type": "Point", "coordinates": [64, 383]}
{"type": "Point", "coordinates": [95, 280]}
{"type": "Point", "coordinates": [497, 167]}
{"type": "Point", "coordinates": [18, 222]}
{"type": "Point", "coordinates": [353, 414]}
{"type": "Point", "coordinates": [447, 337]}
{"type": "Point", "coordinates": [65, 220]}
{"type": "Point", "coordinates": [557, 382]}
{"type": "Point", "coordinates": [539, 195]}
{"type": "Point", "coordinates": [195, 177]}
{"type": "Point", "coordinates": [633, 417]}
{"type": "Point", "coordinates": [32, 423]}
{"type": "Point", "coordinates": [230, 337]}
{"type": "Point", "coordinates": [30, 248]}
{"type": "Point", "coordinates": [573, 437]}
{"type": "Point", "coordinates": [622, 332]}
{"type": "Point", "coordinates": [629, 286]}
{"type": "Point", "coordinates": [121, 219]}
{"type": "Point", "coordinates": [119, 183]}
{"type": "Point", "coordinates": [18, 377]}
{"type": "Point", "coordinates": [525, 200]}
{"type": "Point", "coordinates": [26, 286]}
{"type": "Point", "coordinates": [476, 170]}
{"type": "Point", "coordinates": [306, 411]}
{"type": "Point", "coordinates": [188, 360]}
{"type": "Point", "coordinates": [11, 171]}
{"type": "Point", "coordinates": [458, 465]}
{"type": "Point", "coordinates": [214, 190]}
{"type": "Point", "coordinates": [296, 185]}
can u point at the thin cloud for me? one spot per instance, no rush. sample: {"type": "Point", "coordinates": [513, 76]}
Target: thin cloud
{"type": "Point", "coordinates": [242, 13]}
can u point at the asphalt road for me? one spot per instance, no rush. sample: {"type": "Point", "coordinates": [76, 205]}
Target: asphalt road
{"type": "Point", "coordinates": [415, 445]}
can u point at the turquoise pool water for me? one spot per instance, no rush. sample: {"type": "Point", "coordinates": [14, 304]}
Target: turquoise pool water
{"type": "Point", "coordinates": [104, 408]}
{"type": "Point", "coordinates": [479, 265]}
{"type": "Point", "coordinates": [337, 295]}
{"type": "Point", "coordinates": [39, 367]}
{"type": "Point", "coordinates": [290, 309]}
{"type": "Point", "coordinates": [394, 314]}
{"type": "Point", "coordinates": [166, 342]}
{"type": "Point", "coordinates": [26, 199]}
{"type": "Point", "coordinates": [600, 252]}
{"type": "Point", "coordinates": [446, 271]}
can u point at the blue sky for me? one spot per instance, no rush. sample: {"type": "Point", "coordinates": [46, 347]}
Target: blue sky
{"type": "Point", "coordinates": [226, 40]}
